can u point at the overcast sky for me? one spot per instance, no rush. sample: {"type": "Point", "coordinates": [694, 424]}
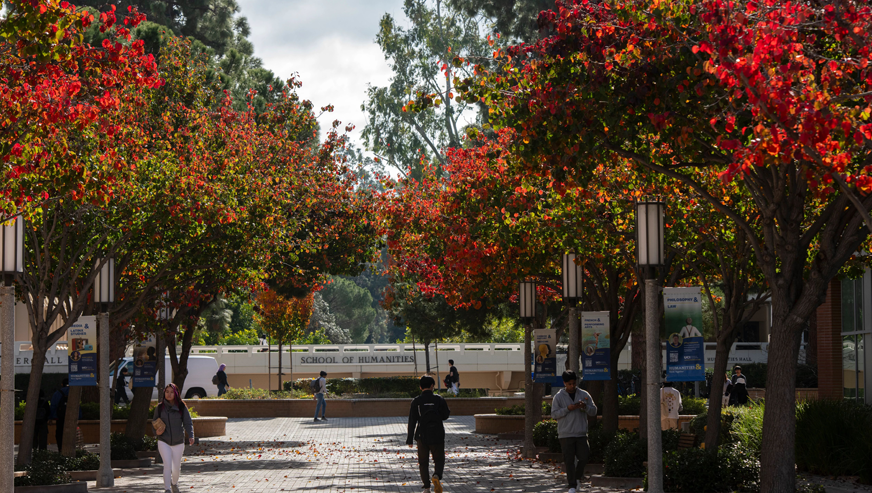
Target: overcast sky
{"type": "Point", "coordinates": [330, 43]}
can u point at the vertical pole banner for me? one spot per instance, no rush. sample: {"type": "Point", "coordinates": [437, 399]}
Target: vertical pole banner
{"type": "Point", "coordinates": [145, 362]}
{"type": "Point", "coordinates": [82, 352]}
{"type": "Point", "coordinates": [596, 346]}
{"type": "Point", "coordinates": [685, 348]}
{"type": "Point", "coordinates": [544, 355]}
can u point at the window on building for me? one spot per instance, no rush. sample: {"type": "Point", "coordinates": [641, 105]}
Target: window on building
{"type": "Point", "coordinates": [854, 336]}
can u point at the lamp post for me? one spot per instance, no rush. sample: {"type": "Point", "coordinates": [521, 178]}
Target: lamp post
{"type": "Point", "coordinates": [573, 282]}
{"type": "Point", "coordinates": [11, 264]}
{"type": "Point", "coordinates": [104, 295]}
{"type": "Point", "coordinates": [527, 299]}
{"type": "Point", "coordinates": [649, 254]}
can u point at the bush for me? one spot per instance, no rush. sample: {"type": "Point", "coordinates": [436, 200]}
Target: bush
{"type": "Point", "coordinates": [83, 461]}
{"type": "Point", "coordinates": [693, 405]}
{"type": "Point", "coordinates": [122, 447]}
{"type": "Point", "coordinates": [834, 438]}
{"type": "Point", "coordinates": [19, 411]}
{"type": "Point", "coordinates": [741, 425]}
{"type": "Point", "coordinates": [46, 468]}
{"type": "Point", "coordinates": [598, 439]}
{"type": "Point", "coordinates": [696, 470]}
{"type": "Point", "coordinates": [516, 410]}
{"type": "Point", "coordinates": [148, 443]}
{"type": "Point", "coordinates": [669, 440]}
{"type": "Point", "coordinates": [545, 434]}
{"type": "Point", "coordinates": [624, 455]}
{"type": "Point", "coordinates": [245, 393]}
{"type": "Point", "coordinates": [629, 405]}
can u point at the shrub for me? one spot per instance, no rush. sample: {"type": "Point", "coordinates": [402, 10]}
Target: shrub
{"type": "Point", "coordinates": [83, 461]}
{"type": "Point", "coordinates": [46, 468]}
{"type": "Point", "coordinates": [693, 405]}
{"type": "Point", "coordinates": [19, 411]}
{"type": "Point", "coordinates": [241, 393]}
{"type": "Point", "coordinates": [669, 440]}
{"type": "Point", "coordinates": [516, 410]}
{"type": "Point", "coordinates": [122, 447]}
{"type": "Point", "coordinates": [149, 443]}
{"type": "Point", "coordinates": [629, 405]}
{"type": "Point", "coordinates": [696, 470]}
{"type": "Point", "coordinates": [120, 412]}
{"type": "Point", "coordinates": [545, 434]}
{"type": "Point", "coordinates": [624, 455]}
{"type": "Point", "coordinates": [834, 437]}
{"type": "Point", "coordinates": [746, 428]}
{"type": "Point", "coordinates": [598, 439]}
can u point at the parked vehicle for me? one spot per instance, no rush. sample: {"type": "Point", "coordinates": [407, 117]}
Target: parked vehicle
{"type": "Point", "coordinates": [198, 384]}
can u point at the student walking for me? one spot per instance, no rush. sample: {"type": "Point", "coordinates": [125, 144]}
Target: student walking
{"type": "Point", "coordinates": [320, 392]}
{"type": "Point", "coordinates": [739, 389]}
{"type": "Point", "coordinates": [59, 411]}
{"type": "Point", "coordinates": [426, 415]}
{"type": "Point", "coordinates": [121, 387]}
{"type": "Point", "coordinates": [221, 380]}
{"type": "Point", "coordinates": [571, 407]}
{"type": "Point", "coordinates": [175, 422]}
{"type": "Point", "coordinates": [670, 406]}
{"type": "Point", "coordinates": [453, 378]}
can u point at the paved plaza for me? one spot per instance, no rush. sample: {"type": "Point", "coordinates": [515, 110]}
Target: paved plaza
{"type": "Point", "coordinates": [345, 455]}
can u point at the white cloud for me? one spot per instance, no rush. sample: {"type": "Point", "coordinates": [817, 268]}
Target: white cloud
{"type": "Point", "coordinates": [331, 45]}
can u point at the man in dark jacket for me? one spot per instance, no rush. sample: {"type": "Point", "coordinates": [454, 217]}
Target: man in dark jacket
{"type": "Point", "coordinates": [121, 387]}
{"type": "Point", "coordinates": [426, 415]}
{"type": "Point", "coordinates": [739, 388]}
{"type": "Point", "coordinates": [59, 411]}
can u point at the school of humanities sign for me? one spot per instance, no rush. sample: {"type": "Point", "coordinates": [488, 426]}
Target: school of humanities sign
{"type": "Point", "coordinates": [354, 360]}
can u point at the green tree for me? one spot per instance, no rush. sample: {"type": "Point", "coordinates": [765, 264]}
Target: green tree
{"type": "Point", "coordinates": [325, 322]}
{"type": "Point", "coordinates": [351, 305]}
{"type": "Point", "coordinates": [517, 19]}
{"type": "Point", "coordinates": [215, 320]}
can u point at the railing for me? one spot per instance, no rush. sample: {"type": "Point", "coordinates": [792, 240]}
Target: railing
{"type": "Point", "coordinates": [353, 348]}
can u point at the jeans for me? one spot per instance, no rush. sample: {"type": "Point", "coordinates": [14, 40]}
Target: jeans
{"type": "Point", "coordinates": [171, 455]}
{"type": "Point", "coordinates": [221, 390]}
{"type": "Point", "coordinates": [424, 452]}
{"type": "Point", "coordinates": [322, 404]}
{"type": "Point", "coordinates": [575, 448]}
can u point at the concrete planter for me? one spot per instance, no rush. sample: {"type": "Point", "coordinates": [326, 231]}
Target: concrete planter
{"type": "Point", "coordinates": [131, 464]}
{"type": "Point", "coordinates": [631, 422]}
{"type": "Point", "coordinates": [493, 424]}
{"type": "Point", "coordinates": [54, 488]}
{"type": "Point", "coordinates": [343, 408]}
{"type": "Point", "coordinates": [90, 429]}
{"type": "Point", "coordinates": [611, 482]}
{"type": "Point", "coordinates": [203, 427]}
{"type": "Point", "coordinates": [89, 475]}
{"type": "Point", "coordinates": [148, 454]}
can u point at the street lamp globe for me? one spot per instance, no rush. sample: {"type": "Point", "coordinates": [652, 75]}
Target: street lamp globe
{"type": "Point", "coordinates": [649, 233]}
{"type": "Point", "coordinates": [527, 299]}
{"type": "Point", "coordinates": [12, 246]}
{"type": "Point", "coordinates": [573, 278]}
{"type": "Point", "coordinates": [104, 283]}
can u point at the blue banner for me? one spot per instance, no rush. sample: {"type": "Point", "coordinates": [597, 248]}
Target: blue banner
{"type": "Point", "coordinates": [596, 346]}
{"type": "Point", "coordinates": [685, 345]}
{"type": "Point", "coordinates": [145, 363]}
{"type": "Point", "coordinates": [544, 355]}
{"type": "Point", "coordinates": [82, 352]}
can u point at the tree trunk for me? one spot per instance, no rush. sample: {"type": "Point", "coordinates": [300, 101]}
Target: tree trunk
{"type": "Point", "coordinates": [716, 395]}
{"type": "Point", "coordinates": [280, 365]}
{"type": "Point", "coordinates": [427, 355]}
{"type": "Point", "coordinates": [610, 405]}
{"type": "Point", "coordinates": [596, 390]}
{"type": "Point", "coordinates": [777, 464]}
{"type": "Point", "coordinates": [71, 421]}
{"type": "Point", "coordinates": [539, 393]}
{"type": "Point", "coordinates": [811, 350]}
{"type": "Point", "coordinates": [136, 423]}
{"type": "Point", "coordinates": [640, 341]}
{"type": "Point", "coordinates": [37, 365]}
{"type": "Point", "coordinates": [529, 397]}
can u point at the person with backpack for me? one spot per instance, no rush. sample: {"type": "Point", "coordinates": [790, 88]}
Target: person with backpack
{"type": "Point", "coordinates": [571, 408]}
{"type": "Point", "coordinates": [121, 387]}
{"type": "Point", "coordinates": [220, 379]}
{"type": "Point", "coordinates": [426, 415]}
{"type": "Point", "coordinates": [319, 388]}
{"type": "Point", "coordinates": [58, 411]}
{"type": "Point", "coordinates": [171, 422]}
{"type": "Point", "coordinates": [453, 378]}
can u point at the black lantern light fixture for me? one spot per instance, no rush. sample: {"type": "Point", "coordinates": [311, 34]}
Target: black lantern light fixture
{"type": "Point", "coordinates": [649, 233]}
{"type": "Point", "coordinates": [527, 299]}
{"type": "Point", "coordinates": [104, 283]}
{"type": "Point", "coordinates": [573, 278]}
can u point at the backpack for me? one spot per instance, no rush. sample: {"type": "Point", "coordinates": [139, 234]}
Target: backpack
{"type": "Point", "coordinates": [430, 428]}
{"type": "Point", "coordinates": [215, 379]}
{"type": "Point", "coordinates": [315, 384]}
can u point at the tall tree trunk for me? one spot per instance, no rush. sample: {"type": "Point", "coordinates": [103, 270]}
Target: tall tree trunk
{"type": "Point", "coordinates": [136, 423]}
{"type": "Point", "coordinates": [280, 365]}
{"type": "Point", "coordinates": [716, 394]}
{"type": "Point", "coordinates": [596, 389]}
{"type": "Point", "coordinates": [71, 421]}
{"type": "Point", "coordinates": [529, 397]}
{"type": "Point", "coordinates": [427, 355]}
{"type": "Point", "coordinates": [610, 405]}
{"type": "Point", "coordinates": [37, 366]}
{"type": "Point", "coordinates": [777, 460]}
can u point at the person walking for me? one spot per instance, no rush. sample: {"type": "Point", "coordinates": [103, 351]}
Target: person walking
{"type": "Point", "coordinates": [426, 415]}
{"type": "Point", "coordinates": [58, 410]}
{"type": "Point", "coordinates": [571, 407]}
{"type": "Point", "coordinates": [453, 377]}
{"type": "Point", "coordinates": [739, 389]}
{"type": "Point", "coordinates": [40, 429]}
{"type": "Point", "coordinates": [121, 387]}
{"type": "Point", "coordinates": [319, 396]}
{"type": "Point", "coordinates": [221, 380]}
{"type": "Point", "coordinates": [670, 406]}
{"type": "Point", "coordinates": [176, 420]}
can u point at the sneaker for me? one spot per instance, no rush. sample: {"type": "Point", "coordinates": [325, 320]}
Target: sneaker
{"type": "Point", "coordinates": [175, 488]}
{"type": "Point", "coordinates": [323, 418]}
{"type": "Point", "coordinates": [425, 490]}
{"type": "Point", "coordinates": [571, 490]}
{"type": "Point", "coordinates": [316, 420]}
{"type": "Point", "coordinates": [437, 484]}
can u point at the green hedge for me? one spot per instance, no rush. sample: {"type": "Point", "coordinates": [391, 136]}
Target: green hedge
{"type": "Point", "coordinates": [834, 438]}
{"type": "Point", "coordinates": [380, 386]}
{"type": "Point", "coordinates": [694, 470]}
{"type": "Point", "coordinates": [740, 425]}
{"type": "Point", "coordinates": [545, 435]}
{"type": "Point", "coordinates": [519, 410]}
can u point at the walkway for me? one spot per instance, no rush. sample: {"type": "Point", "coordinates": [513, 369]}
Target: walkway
{"type": "Point", "coordinates": [345, 455]}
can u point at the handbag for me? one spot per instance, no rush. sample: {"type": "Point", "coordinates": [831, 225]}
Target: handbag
{"type": "Point", "coordinates": [159, 426]}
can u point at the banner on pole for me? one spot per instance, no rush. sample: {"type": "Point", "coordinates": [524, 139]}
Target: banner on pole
{"type": "Point", "coordinates": [544, 355]}
{"type": "Point", "coordinates": [82, 352]}
{"type": "Point", "coordinates": [685, 348]}
{"type": "Point", "coordinates": [145, 362]}
{"type": "Point", "coordinates": [596, 346]}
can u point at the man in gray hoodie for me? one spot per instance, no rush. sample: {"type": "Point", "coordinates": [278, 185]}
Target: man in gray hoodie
{"type": "Point", "coordinates": [571, 407]}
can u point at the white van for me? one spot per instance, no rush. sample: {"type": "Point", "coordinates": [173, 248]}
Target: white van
{"type": "Point", "coordinates": [198, 383]}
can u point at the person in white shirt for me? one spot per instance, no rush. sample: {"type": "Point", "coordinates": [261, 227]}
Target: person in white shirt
{"type": "Point", "coordinates": [670, 405]}
{"type": "Point", "coordinates": [321, 404]}
{"type": "Point", "coordinates": [689, 330]}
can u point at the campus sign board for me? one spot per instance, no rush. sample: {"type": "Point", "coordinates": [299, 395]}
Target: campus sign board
{"type": "Point", "coordinates": [544, 355]}
{"type": "Point", "coordinates": [685, 347]}
{"type": "Point", "coordinates": [82, 352]}
{"type": "Point", "coordinates": [596, 346]}
{"type": "Point", "coordinates": [145, 362]}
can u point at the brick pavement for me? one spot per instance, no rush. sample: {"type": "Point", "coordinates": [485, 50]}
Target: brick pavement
{"type": "Point", "coordinates": [345, 455]}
